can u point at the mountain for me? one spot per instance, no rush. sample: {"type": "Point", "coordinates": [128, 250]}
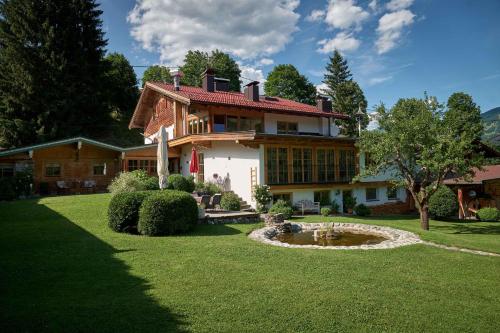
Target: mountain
{"type": "Point", "coordinates": [491, 121]}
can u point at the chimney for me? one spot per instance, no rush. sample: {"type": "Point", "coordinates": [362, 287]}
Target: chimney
{"type": "Point", "coordinates": [208, 80]}
{"type": "Point", "coordinates": [252, 91]}
{"type": "Point", "coordinates": [221, 84]}
{"type": "Point", "coordinates": [323, 104]}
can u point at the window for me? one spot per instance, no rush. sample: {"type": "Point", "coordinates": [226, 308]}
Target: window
{"type": "Point", "coordinates": [302, 165]}
{"type": "Point", "coordinates": [371, 194]}
{"type": "Point", "coordinates": [287, 128]}
{"type": "Point", "coordinates": [232, 123]}
{"type": "Point", "coordinates": [277, 165]}
{"type": "Point", "coordinates": [392, 193]}
{"type": "Point", "coordinates": [323, 197]}
{"type": "Point", "coordinates": [99, 169]}
{"type": "Point", "coordinates": [132, 165]}
{"type": "Point", "coordinates": [346, 165]}
{"type": "Point", "coordinates": [219, 123]}
{"type": "Point", "coordinates": [245, 124]}
{"type": "Point", "coordinates": [283, 196]}
{"type": "Point", "coordinates": [143, 165]}
{"type": "Point", "coordinates": [52, 170]}
{"type": "Point", "coordinates": [152, 167]}
{"type": "Point", "coordinates": [201, 167]}
{"type": "Point", "coordinates": [326, 165]}
{"type": "Point", "coordinates": [6, 170]}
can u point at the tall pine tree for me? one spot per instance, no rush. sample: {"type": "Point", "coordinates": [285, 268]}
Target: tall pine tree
{"type": "Point", "coordinates": [347, 96]}
{"type": "Point", "coordinates": [51, 71]}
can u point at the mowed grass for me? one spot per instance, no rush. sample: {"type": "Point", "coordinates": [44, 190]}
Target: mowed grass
{"type": "Point", "coordinates": [63, 270]}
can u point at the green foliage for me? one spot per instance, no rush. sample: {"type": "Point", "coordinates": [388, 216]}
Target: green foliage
{"type": "Point", "coordinates": [123, 210]}
{"type": "Point", "coordinates": [281, 207]}
{"type": "Point", "coordinates": [347, 96]}
{"type": "Point", "coordinates": [419, 144]}
{"type": "Point", "coordinates": [488, 214]}
{"type": "Point", "coordinates": [443, 203]}
{"type": "Point", "coordinates": [285, 81]}
{"type": "Point", "coordinates": [207, 188]}
{"type": "Point", "coordinates": [362, 210]}
{"type": "Point", "coordinates": [157, 73]}
{"type": "Point", "coordinates": [335, 206]}
{"type": "Point", "coordinates": [196, 62]}
{"type": "Point", "coordinates": [262, 196]}
{"type": "Point", "coordinates": [52, 71]}
{"type": "Point", "coordinates": [23, 182]}
{"type": "Point", "coordinates": [167, 212]}
{"type": "Point", "coordinates": [180, 183]}
{"type": "Point", "coordinates": [349, 202]}
{"type": "Point", "coordinates": [326, 211]}
{"type": "Point", "coordinates": [230, 201]}
{"type": "Point", "coordinates": [137, 180]}
{"type": "Point", "coordinates": [7, 189]}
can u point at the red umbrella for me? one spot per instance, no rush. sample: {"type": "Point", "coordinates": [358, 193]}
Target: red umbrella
{"type": "Point", "coordinates": [193, 165]}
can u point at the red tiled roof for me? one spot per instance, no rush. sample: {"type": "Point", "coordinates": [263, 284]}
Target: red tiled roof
{"type": "Point", "coordinates": [164, 115]}
{"type": "Point", "coordinates": [489, 172]}
{"type": "Point", "coordinates": [199, 95]}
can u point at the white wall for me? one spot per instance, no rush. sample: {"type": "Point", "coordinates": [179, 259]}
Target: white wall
{"type": "Point", "coordinates": [227, 158]}
{"type": "Point", "coordinates": [306, 124]}
{"type": "Point", "coordinates": [360, 195]}
{"type": "Point", "coordinates": [170, 135]}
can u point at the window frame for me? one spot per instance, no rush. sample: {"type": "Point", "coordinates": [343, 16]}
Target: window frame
{"type": "Point", "coordinates": [52, 165]}
{"type": "Point", "coordinates": [287, 125]}
{"type": "Point", "coordinates": [393, 189]}
{"type": "Point", "coordinates": [376, 194]}
{"type": "Point", "coordinates": [104, 169]}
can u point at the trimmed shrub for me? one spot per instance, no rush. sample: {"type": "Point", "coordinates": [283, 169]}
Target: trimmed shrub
{"type": "Point", "coordinates": [180, 183]}
{"type": "Point", "coordinates": [167, 212]}
{"type": "Point", "coordinates": [7, 189]}
{"type": "Point", "coordinates": [488, 214]}
{"type": "Point", "coordinates": [123, 210]}
{"type": "Point", "coordinates": [281, 207]}
{"type": "Point", "coordinates": [207, 188]}
{"type": "Point", "coordinates": [325, 211]}
{"type": "Point", "coordinates": [262, 196]}
{"type": "Point", "coordinates": [443, 203]}
{"type": "Point", "coordinates": [191, 187]}
{"type": "Point", "coordinates": [362, 210]}
{"type": "Point", "coordinates": [137, 180]}
{"type": "Point", "coordinates": [349, 202]}
{"type": "Point", "coordinates": [230, 201]}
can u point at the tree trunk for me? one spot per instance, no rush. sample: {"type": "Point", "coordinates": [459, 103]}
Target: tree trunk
{"type": "Point", "coordinates": [424, 217]}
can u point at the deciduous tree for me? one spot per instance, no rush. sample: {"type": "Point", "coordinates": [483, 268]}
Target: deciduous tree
{"type": "Point", "coordinates": [286, 81]}
{"type": "Point", "coordinates": [157, 73]}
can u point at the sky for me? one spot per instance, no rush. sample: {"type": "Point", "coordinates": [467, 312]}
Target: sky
{"type": "Point", "coordinates": [394, 48]}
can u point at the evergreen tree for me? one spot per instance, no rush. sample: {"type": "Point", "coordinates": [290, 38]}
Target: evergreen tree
{"type": "Point", "coordinates": [157, 73]}
{"type": "Point", "coordinates": [286, 81]}
{"type": "Point", "coordinates": [51, 71]}
{"type": "Point", "coordinates": [196, 62]}
{"type": "Point", "coordinates": [347, 96]}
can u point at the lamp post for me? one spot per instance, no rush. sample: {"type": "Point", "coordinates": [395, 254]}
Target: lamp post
{"type": "Point", "coordinates": [359, 117]}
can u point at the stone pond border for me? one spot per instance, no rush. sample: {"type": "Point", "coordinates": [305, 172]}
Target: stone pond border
{"type": "Point", "coordinates": [396, 237]}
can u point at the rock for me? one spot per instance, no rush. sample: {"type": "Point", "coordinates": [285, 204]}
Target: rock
{"type": "Point", "coordinates": [272, 219]}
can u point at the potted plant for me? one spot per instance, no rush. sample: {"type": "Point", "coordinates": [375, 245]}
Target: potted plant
{"type": "Point", "coordinates": [349, 203]}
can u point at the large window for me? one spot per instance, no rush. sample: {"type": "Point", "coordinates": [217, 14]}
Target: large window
{"type": "Point", "coordinates": [132, 165]}
{"type": "Point", "coordinates": [326, 165]}
{"type": "Point", "coordinates": [277, 165]}
{"type": "Point", "coordinates": [53, 170]}
{"type": "Point", "coordinates": [6, 170]}
{"type": "Point", "coordinates": [371, 194]}
{"type": "Point", "coordinates": [323, 197]}
{"type": "Point", "coordinates": [302, 165]}
{"type": "Point", "coordinates": [99, 169]}
{"type": "Point", "coordinates": [219, 123]}
{"type": "Point", "coordinates": [346, 165]}
{"type": "Point", "coordinates": [287, 128]}
{"type": "Point", "coordinates": [198, 125]}
{"type": "Point", "coordinates": [392, 193]}
{"type": "Point", "coordinates": [283, 196]}
{"type": "Point", "coordinates": [147, 165]}
{"type": "Point", "coordinates": [232, 123]}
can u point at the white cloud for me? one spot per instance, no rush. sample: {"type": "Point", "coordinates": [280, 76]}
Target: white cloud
{"type": "Point", "coordinates": [377, 80]}
{"type": "Point", "coordinates": [390, 27]}
{"type": "Point", "coordinates": [266, 61]}
{"type": "Point", "coordinates": [239, 27]}
{"type": "Point", "coordinates": [342, 42]}
{"type": "Point", "coordinates": [373, 5]}
{"type": "Point", "coordinates": [320, 88]}
{"type": "Point", "coordinates": [316, 15]}
{"type": "Point", "coordinates": [398, 4]}
{"type": "Point", "coordinates": [344, 14]}
{"type": "Point", "coordinates": [252, 74]}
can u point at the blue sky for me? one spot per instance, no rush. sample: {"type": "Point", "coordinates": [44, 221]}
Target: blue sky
{"type": "Point", "coordinates": [395, 48]}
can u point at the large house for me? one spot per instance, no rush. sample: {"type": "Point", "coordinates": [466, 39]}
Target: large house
{"type": "Point", "coordinates": [244, 139]}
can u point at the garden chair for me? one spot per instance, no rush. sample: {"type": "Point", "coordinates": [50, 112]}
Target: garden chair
{"type": "Point", "coordinates": [62, 187]}
{"type": "Point", "coordinates": [216, 201]}
{"type": "Point", "coordinates": [88, 186]}
{"type": "Point", "coordinates": [309, 206]}
{"type": "Point", "coordinates": [205, 200]}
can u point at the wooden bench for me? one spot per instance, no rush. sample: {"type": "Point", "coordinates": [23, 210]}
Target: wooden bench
{"type": "Point", "coordinates": [309, 206]}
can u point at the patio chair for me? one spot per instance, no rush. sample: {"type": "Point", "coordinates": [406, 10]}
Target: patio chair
{"type": "Point", "coordinates": [205, 200]}
{"type": "Point", "coordinates": [62, 187]}
{"type": "Point", "coordinates": [216, 201]}
{"type": "Point", "coordinates": [88, 186]}
{"type": "Point", "coordinates": [310, 206]}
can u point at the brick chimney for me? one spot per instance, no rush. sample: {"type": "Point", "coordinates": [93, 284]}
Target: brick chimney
{"type": "Point", "coordinates": [208, 80]}
{"type": "Point", "coordinates": [221, 84]}
{"type": "Point", "coordinates": [323, 104]}
{"type": "Point", "coordinates": [252, 91]}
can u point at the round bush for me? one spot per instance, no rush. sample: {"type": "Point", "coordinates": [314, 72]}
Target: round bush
{"type": "Point", "coordinates": [281, 207]}
{"type": "Point", "coordinates": [488, 214]}
{"type": "Point", "coordinates": [151, 184]}
{"type": "Point", "coordinates": [123, 210]}
{"type": "Point", "coordinates": [180, 183]}
{"type": "Point", "coordinates": [167, 212]}
{"type": "Point", "coordinates": [325, 211]}
{"type": "Point", "coordinates": [7, 189]}
{"type": "Point", "coordinates": [230, 201]}
{"type": "Point", "coordinates": [443, 203]}
{"type": "Point", "coordinates": [137, 180]}
{"type": "Point", "coordinates": [362, 210]}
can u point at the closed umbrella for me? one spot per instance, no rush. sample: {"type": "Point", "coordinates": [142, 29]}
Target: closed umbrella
{"type": "Point", "coordinates": [162, 158]}
{"type": "Point", "coordinates": [193, 165]}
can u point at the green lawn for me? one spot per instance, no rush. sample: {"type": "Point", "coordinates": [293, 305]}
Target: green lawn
{"type": "Point", "coordinates": [63, 270]}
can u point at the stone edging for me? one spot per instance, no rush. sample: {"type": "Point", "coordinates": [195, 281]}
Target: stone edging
{"type": "Point", "coordinates": [396, 237]}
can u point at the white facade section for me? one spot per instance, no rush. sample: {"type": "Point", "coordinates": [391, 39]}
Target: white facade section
{"type": "Point", "coordinates": [360, 195]}
{"type": "Point", "coordinates": [227, 159]}
{"type": "Point", "coordinates": [151, 138]}
{"type": "Point", "coordinates": [306, 124]}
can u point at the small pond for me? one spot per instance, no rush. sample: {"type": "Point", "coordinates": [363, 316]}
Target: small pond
{"type": "Point", "coordinates": [343, 238]}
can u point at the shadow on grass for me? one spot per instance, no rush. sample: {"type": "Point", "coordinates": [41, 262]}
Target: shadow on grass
{"type": "Point", "coordinates": [469, 228]}
{"type": "Point", "coordinates": [213, 230]}
{"type": "Point", "coordinates": [57, 277]}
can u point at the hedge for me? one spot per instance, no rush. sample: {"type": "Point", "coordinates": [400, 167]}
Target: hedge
{"type": "Point", "coordinates": [281, 207]}
{"type": "Point", "coordinates": [443, 203]}
{"type": "Point", "coordinates": [167, 212]}
{"type": "Point", "coordinates": [230, 201]}
{"type": "Point", "coordinates": [488, 214]}
{"type": "Point", "coordinates": [180, 183]}
{"type": "Point", "coordinates": [123, 210]}
{"type": "Point", "coordinates": [362, 210]}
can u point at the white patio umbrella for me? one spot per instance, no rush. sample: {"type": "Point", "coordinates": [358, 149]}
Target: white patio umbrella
{"type": "Point", "coordinates": [162, 158]}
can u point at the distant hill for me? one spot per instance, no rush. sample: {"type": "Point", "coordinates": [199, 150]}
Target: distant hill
{"type": "Point", "coordinates": [491, 121]}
